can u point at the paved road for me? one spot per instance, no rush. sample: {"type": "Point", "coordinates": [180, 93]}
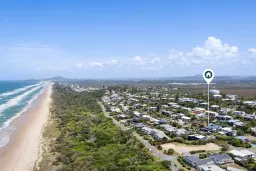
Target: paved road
{"type": "Point", "coordinates": [153, 149]}
{"type": "Point", "coordinates": [175, 164]}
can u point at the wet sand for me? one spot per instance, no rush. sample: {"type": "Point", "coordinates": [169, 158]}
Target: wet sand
{"type": "Point", "coordinates": [22, 151]}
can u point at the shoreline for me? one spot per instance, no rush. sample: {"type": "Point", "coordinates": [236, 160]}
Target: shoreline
{"type": "Point", "coordinates": [22, 150]}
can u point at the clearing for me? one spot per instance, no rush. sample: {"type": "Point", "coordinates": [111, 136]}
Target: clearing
{"type": "Point", "coordinates": [183, 148]}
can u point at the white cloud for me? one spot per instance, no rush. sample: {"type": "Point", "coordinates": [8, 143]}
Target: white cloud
{"type": "Point", "coordinates": [79, 66]}
{"type": "Point", "coordinates": [252, 50]}
{"type": "Point", "coordinates": [213, 51]}
{"type": "Point", "coordinates": [137, 59]}
{"type": "Point", "coordinates": [113, 62]}
{"type": "Point", "coordinates": [96, 64]}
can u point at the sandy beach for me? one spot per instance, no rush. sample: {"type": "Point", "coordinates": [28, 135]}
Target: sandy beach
{"type": "Point", "coordinates": [22, 151]}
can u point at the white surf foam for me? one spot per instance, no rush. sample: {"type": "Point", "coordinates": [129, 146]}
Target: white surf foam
{"type": "Point", "coordinates": [28, 106]}
{"type": "Point", "coordinates": [6, 130]}
{"type": "Point", "coordinates": [16, 91]}
{"type": "Point", "coordinates": [17, 99]}
{"type": "Point", "coordinates": [4, 135]}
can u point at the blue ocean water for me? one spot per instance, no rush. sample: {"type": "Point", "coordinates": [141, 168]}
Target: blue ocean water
{"type": "Point", "coordinates": [15, 98]}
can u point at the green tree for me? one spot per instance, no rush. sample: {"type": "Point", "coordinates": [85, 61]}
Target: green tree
{"type": "Point", "coordinates": [170, 151]}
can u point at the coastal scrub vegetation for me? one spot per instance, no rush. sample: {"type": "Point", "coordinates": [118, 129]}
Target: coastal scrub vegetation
{"type": "Point", "coordinates": [87, 140]}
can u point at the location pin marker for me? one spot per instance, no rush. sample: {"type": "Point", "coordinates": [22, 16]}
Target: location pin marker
{"type": "Point", "coordinates": [208, 75]}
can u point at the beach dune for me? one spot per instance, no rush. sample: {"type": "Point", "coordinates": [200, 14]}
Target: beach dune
{"type": "Point", "coordinates": [22, 151]}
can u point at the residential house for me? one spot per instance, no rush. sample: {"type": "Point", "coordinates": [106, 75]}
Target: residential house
{"type": "Point", "coordinates": [198, 110]}
{"type": "Point", "coordinates": [249, 117]}
{"type": "Point", "coordinates": [243, 138]}
{"type": "Point", "coordinates": [136, 119]}
{"type": "Point", "coordinates": [200, 115]}
{"type": "Point", "coordinates": [137, 114]}
{"type": "Point", "coordinates": [221, 159]}
{"type": "Point", "coordinates": [224, 110]}
{"type": "Point", "coordinates": [162, 121]}
{"type": "Point", "coordinates": [138, 125]}
{"type": "Point", "coordinates": [165, 112]}
{"type": "Point", "coordinates": [223, 118]}
{"type": "Point", "coordinates": [239, 124]}
{"type": "Point", "coordinates": [242, 155]}
{"type": "Point", "coordinates": [233, 121]}
{"type": "Point", "coordinates": [204, 104]}
{"type": "Point", "coordinates": [212, 114]}
{"type": "Point", "coordinates": [143, 106]}
{"type": "Point", "coordinates": [249, 103]}
{"type": "Point", "coordinates": [153, 109]}
{"type": "Point", "coordinates": [228, 131]}
{"type": "Point", "coordinates": [231, 97]}
{"type": "Point", "coordinates": [164, 106]}
{"type": "Point", "coordinates": [217, 96]}
{"type": "Point", "coordinates": [210, 167]}
{"type": "Point", "coordinates": [146, 117]}
{"type": "Point", "coordinates": [215, 107]}
{"type": "Point", "coordinates": [214, 92]}
{"type": "Point", "coordinates": [136, 106]}
{"type": "Point", "coordinates": [195, 162]}
{"type": "Point", "coordinates": [174, 116]}
{"type": "Point", "coordinates": [123, 116]}
{"type": "Point", "coordinates": [158, 134]}
{"type": "Point", "coordinates": [187, 109]}
{"type": "Point", "coordinates": [180, 132]}
{"type": "Point", "coordinates": [172, 104]}
{"type": "Point", "coordinates": [241, 113]}
{"type": "Point", "coordinates": [147, 130]}
{"type": "Point", "coordinates": [197, 137]}
{"type": "Point", "coordinates": [212, 128]}
{"type": "Point", "coordinates": [185, 119]}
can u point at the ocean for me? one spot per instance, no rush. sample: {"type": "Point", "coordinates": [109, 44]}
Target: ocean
{"type": "Point", "coordinates": [15, 98]}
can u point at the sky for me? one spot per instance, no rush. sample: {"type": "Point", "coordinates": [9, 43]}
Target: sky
{"type": "Point", "coordinates": [126, 39]}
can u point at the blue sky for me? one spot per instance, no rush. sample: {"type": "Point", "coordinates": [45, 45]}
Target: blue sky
{"type": "Point", "coordinates": [126, 39]}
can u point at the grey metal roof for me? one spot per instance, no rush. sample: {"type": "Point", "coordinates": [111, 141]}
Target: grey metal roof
{"type": "Point", "coordinates": [198, 162]}
{"type": "Point", "coordinates": [219, 157]}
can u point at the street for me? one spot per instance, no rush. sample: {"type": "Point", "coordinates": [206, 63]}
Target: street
{"type": "Point", "coordinates": [175, 164]}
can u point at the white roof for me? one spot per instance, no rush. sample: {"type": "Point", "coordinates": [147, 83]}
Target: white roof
{"type": "Point", "coordinates": [146, 116]}
{"type": "Point", "coordinates": [247, 152]}
{"type": "Point", "coordinates": [185, 117]}
{"type": "Point", "coordinates": [242, 153]}
{"type": "Point", "coordinates": [211, 167]}
{"type": "Point", "coordinates": [227, 129]}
